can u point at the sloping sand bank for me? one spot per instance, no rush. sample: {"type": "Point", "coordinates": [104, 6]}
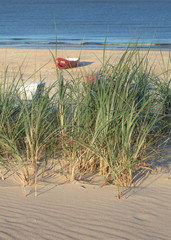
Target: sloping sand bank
{"type": "Point", "coordinates": [75, 211]}
{"type": "Point", "coordinates": [79, 211]}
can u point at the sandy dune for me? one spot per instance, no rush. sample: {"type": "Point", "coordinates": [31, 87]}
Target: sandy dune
{"type": "Point", "coordinates": [79, 211]}
{"type": "Point", "coordinates": [87, 212]}
{"type": "Point", "coordinates": [76, 210]}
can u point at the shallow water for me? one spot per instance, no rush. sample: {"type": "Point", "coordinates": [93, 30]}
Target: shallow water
{"type": "Point", "coordinates": [37, 23]}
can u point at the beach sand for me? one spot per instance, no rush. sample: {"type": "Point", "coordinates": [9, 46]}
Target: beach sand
{"type": "Point", "coordinates": [80, 211]}
{"type": "Point", "coordinates": [36, 62]}
{"type": "Point", "coordinates": [88, 212]}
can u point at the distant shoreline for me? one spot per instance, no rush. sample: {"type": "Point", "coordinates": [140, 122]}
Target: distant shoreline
{"type": "Point", "coordinates": [84, 45]}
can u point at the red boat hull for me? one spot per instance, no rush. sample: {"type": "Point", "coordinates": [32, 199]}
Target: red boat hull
{"type": "Point", "coordinates": [67, 63]}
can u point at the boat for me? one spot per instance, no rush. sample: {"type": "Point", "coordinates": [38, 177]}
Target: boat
{"type": "Point", "coordinates": [67, 62]}
{"type": "Point", "coordinates": [28, 91]}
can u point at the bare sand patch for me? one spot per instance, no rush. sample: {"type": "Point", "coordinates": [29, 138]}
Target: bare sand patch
{"type": "Point", "coordinates": [83, 211]}
{"type": "Point", "coordinates": [36, 62]}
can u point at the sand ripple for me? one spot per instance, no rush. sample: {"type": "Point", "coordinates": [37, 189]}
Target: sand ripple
{"type": "Point", "coordinates": [73, 212]}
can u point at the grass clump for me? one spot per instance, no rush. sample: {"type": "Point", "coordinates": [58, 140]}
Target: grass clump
{"type": "Point", "coordinates": [108, 126]}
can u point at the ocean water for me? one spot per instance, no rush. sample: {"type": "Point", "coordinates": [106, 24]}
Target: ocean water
{"type": "Point", "coordinates": [85, 23]}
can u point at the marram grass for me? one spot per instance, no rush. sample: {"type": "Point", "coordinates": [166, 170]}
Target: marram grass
{"type": "Point", "coordinates": [108, 127]}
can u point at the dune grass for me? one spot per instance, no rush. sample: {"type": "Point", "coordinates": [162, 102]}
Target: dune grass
{"type": "Point", "coordinates": [109, 127]}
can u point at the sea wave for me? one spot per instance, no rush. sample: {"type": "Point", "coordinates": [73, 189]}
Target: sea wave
{"type": "Point", "coordinates": [18, 42]}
